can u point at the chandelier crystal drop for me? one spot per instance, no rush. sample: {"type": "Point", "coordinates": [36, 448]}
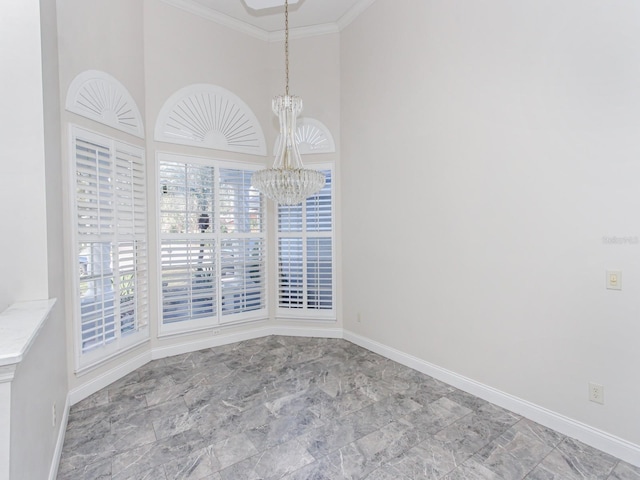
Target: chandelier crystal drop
{"type": "Point", "coordinates": [287, 182]}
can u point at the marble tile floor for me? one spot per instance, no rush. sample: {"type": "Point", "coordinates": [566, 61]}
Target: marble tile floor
{"type": "Point", "coordinates": [309, 409]}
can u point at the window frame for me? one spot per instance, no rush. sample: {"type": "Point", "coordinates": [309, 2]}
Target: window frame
{"type": "Point", "coordinates": [217, 320]}
{"type": "Point", "coordinates": [305, 313]}
{"type": "Point", "coordinates": [85, 361]}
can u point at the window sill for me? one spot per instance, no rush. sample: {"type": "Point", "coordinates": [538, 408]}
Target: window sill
{"type": "Point", "coordinates": [286, 317]}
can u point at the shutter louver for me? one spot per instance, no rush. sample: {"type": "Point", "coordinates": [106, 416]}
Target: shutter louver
{"type": "Point", "coordinates": [132, 249]}
{"type": "Point", "coordinates": [97, 311]}
{"type": "Point", "coordinates": [188, 280]}
{"type": "Point", "coordinates": [290, 273]}
{"type": "Point", "coordinates": [242, 244]}
{"type": "Point", "coordinates": [94, 190]}
{"type": "Point", "coordinates": [319, 273]}
{"type": "Point", "coordinates": [240, 204]}
{"type": "Point", "coordinates": [305, 254]}
{"type": "Point", "coordinates": [242, 275]}
{"type": "Point", "coordinates": [319, 208]}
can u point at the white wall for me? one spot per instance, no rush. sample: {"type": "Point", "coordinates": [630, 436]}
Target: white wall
{"type": "Point", "coordinates": [182, 49]}
{"type": "Point", "coordinates": [488, 147]}
{"type": "Point", "coordinates": [30, 211]}
{"type": "Point", "coordinates": [23, 244]}
{"type": "Point", "coordinates": [50, 348]}
{"type": "Point", "coordinates": [103, 35]}
{"type": "Point", "coordinates": [40, 383]}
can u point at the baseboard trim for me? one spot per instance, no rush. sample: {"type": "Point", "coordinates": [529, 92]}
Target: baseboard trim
{"type": "Point", "coordinates": [618, 447]}
{"type": "Point", "coordinates": [302, 331]}
{"type": "Point", "coordinates": [57, 453]}
{"type": "Point", "coordinates": [209, 342]}
{"type": "Point", "coordinates": [107, 378]}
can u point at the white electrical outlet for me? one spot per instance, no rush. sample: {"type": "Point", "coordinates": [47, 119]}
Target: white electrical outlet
{"type": "Point", "coordinates": [217, 331]}
{"type": "Point", "coordinates": [53, 415]}
{"type": "Point", "coordinates": [596, 393]}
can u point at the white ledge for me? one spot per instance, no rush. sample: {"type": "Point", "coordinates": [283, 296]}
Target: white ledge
{"type": "Point", "coordinates": [19, 326]}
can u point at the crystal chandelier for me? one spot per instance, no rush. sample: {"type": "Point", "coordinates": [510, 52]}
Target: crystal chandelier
{"type": "Point", "coordinates": [287, 182]}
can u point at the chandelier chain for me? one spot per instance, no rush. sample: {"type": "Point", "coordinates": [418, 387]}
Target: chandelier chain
{"type": "Point", "coordinates": [286, 45]}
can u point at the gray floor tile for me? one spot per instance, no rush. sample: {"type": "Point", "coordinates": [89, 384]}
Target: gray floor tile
{"type": "Point", "coordinates": [318, 470]}
{"type": "Point", "coordinates": [387, 472]}
{"type": "Point", "coordinates": [430, 459]}
{"type": "Point", "coordinates": [472, 470]}
{"type": "Point", "coordinates": [147, 457]}
{"type": "Point", "coordinates": [308, 409]}
{"type": "Point", "coordinates": [437, 415]}
{"type": "Point", "coordinates": [513, 454]}
{"type": "Point", "coordinates": [282, 429]}
{"type": "Point", "coordinates": [197, 465]}
{"type": "Point", "coordinates": [574, 460]}
{"type": "Point", "coordinates": [624, 471]}
{"type": "Point", "coordinates": [94, 471]}
{"type": "Point", "coordinates": [271, 464]}
{"type": "Point", "coordinates": [152, 473]}
{"type": "Point", "coordinates": [338, 432]}
{"type": "Point", "coordinates": [234, 449]}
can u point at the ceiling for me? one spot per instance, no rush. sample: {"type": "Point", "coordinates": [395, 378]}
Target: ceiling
{"type": "Point", "coordinates": [304, 14]}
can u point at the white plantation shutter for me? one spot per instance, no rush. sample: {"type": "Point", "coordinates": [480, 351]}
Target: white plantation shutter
{"type": "Point", "coordinates": [111, 245]}
{"type": "Point", "coordinates": [212, 244]}
{"type": "Point", "coordinates": [243, 276]}
{"type": "Point", "coordinates": [240, 205]}
{"type": "Point", "coordinates": [188, 279]}
{"type": "Point", "coordinates": [306, 256]}
{"type": "Point", "coordinates": [187, 247]}
{"type": "Point", "coordinates": [291, 272]}
{"type": "Point", "coordinates": [319, 273]}
{"type": "Point", "coordinates": [94, 190]}
{"type": "Point", "coordinates": [130, 196]}
{"type": "Point", "coordinates": [242, 244]}
{"type": "Point", "coordinates": [319, 208]}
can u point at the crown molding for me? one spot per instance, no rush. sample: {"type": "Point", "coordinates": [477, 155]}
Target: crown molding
{"type": "Point", "coordinates": [256, 32]}
{"type": "Point", "coordinates": [353, 13]}
{"type": "Point", "coordinates": [219, 18]}
{"type": "Point", "coordinates": [304, 32]}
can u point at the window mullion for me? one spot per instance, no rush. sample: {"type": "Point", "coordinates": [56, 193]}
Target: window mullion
{"type": "Point", "coordinates": [117, 239]}
{"type": "Point", "coordinates": [305, 260]}
{"type": "Point", "coordinates": [217, 241]}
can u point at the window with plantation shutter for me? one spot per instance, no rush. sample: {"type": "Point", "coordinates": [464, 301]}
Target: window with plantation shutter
{"type": "Point", "coordinates": [187, 248]}
{"type": "Point", "coordinates": [111, 293]}
{"type": "Point", "coordinates": [242, 244]}
{"type": "Point", "coordinates": [212, 244]}
{"type": "Point", "coordinates": [306, 256]}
